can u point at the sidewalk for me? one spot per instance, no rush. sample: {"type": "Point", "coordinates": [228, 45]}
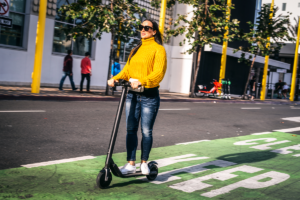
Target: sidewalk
{"type": "Point", "coordinates": [50, 93]}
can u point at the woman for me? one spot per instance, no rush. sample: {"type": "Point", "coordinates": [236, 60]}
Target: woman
{"type": "Point", "coordinates": [146, 66]}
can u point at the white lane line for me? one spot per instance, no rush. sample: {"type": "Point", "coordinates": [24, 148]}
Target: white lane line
{"type": "Point", "coordinates": [176, 109]}
{"type": "Point", "coordinates": [192, 142]}
{"type": "Point", "coordinates": [58, 161]}
{"type": "Point", "coordinates": [288, 130]}
{"type": "Point", "coordinates": [293, 119]}
{"type": "Point", "coordinates": [251, 108]}
{"type": "Point", "coordinates": [11, 111]}
{"type": "Point", "coordinates": [263, 133]}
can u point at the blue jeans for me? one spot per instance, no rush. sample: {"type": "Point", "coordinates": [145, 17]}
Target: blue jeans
{"type": "Point", "coordinates": [65, 74]}
{"type": "Point", "coordinates": [146, 108]}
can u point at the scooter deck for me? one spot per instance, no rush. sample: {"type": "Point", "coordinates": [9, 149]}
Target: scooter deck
{"type": "Point", "coordinates": [116, 171]}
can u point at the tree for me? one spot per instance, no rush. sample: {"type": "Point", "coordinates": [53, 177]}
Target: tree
{"type": "Point", "coordinates": [294, 29]}
{"type": "Point", "coordinates": [208, 25]}
{"type": "Point", "coordinates": [119, 17]}
{"type": "Point", "coordinates": [265, 38]}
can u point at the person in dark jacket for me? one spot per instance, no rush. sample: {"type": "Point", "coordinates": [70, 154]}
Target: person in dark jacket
{"type": "Point", "coordinates": [67, 71]}
{"type": "Point", "coordinates": [251, 88]}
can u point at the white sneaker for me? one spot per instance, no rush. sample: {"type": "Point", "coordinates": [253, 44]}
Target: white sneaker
{"type": "Point", "coordinates": [128, 169]}
{"type": "Point", "coordinates": [145, 169]}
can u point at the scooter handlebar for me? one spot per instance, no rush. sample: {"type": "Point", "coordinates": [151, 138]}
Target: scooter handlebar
{"type": "Point", "coordinates": [128, 84]}
{"type": "Point", "coordinates": [122, 83]}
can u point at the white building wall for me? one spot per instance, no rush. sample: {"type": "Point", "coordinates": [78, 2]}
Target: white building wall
{"type": "Point", "coordinates": [179, 64]}
{"type": "Point", "coordinates": [17, 65]}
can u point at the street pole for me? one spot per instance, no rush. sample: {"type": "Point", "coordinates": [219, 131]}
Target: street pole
{"type": "Point", "coordinates": [265, 73]}
{"type": "Point", "coordinates": [39, 45]}
{"type": "Point", "coordinates": [225, 45]}
{"type": "Point", "coordinates": [162, 17]}
{"type": "Point", "coordinates": [294, 77]}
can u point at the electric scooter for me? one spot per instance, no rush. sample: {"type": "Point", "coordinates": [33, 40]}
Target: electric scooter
{"type": "Point", "coordinates": [214, 91]}
{"type": "Point", "coordinates": [104, 178]}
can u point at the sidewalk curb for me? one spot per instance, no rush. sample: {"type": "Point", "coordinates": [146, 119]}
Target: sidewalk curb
{"type": "Point", "coordinates": [66, 98]}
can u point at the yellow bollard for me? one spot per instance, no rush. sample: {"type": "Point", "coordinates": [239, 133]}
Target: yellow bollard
{"type": "Point", "coordinates": [225, 44]}
{"type": "Point", "coordinates": [294, 77]}
{"type": "Point", "coordinates": [264, 80]}
{"type": "Point", "coordinates": [162, 17]}
{"type": "Point", "coordinates": [39, 44]}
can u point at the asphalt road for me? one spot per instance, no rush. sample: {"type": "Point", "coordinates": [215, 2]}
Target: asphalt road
{"type": "Point", "coordinates": [74, 129]}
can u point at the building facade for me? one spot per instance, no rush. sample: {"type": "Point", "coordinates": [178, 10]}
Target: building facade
{"type": "Point", "coordinates": [17, 49]}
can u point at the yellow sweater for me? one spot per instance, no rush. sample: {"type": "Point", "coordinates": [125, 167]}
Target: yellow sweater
{"type": "Point", "coordinates": [148, 65]}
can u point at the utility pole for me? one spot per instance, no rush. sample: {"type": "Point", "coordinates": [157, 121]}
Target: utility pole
{"type": "Point", "coordinates": [162, 17]}
{"type": "Point", "coordinates": [294, 77]}
{"type": "Point", "coordinates": [265, 73]}
{"type": "Point", "coordinates": [225, 45]}
{"type": "Point", "coordinates": [39, 46]}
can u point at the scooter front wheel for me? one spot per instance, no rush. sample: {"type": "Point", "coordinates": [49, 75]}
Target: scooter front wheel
{"type": "Point", "coordinates": [101, 183]}
{"type": "Point", "coordinates": [153, 173]}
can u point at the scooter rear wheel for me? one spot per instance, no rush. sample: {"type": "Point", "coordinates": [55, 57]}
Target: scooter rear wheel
{"type": "Point", "coordinates": [101, 183]}
{"type": "Point", "coordinates": [152, 177]}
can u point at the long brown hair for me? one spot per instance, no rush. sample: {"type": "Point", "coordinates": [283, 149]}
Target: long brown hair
{"type": "Point", "coordinates": [157, 38]}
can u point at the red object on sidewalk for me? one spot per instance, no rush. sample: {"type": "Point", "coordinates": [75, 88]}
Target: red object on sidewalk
{"type": "Point", "coordinates": [86, 66]}
{"type": "Point", "coordinates": [214, 89]}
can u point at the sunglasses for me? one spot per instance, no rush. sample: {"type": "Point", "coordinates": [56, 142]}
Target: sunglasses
{"type": "Point", "coordinates": [146, 28]}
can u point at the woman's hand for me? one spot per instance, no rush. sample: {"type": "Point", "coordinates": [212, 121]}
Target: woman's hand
{"type": "Point", "coordinates": [111, 82]}
{"type": "Point", "coordinates": [135, 84]}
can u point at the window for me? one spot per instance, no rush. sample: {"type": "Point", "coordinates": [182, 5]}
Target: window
{"type": "Point", "coordinates": [283, 6]}
{"type": "Point", "coordinates": [61, 42]}
{"type": "Point", "coordinates": [14, 36]}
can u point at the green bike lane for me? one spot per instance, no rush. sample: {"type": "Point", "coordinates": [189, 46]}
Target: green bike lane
{"type": "Point", "coordinates": [258, 166]}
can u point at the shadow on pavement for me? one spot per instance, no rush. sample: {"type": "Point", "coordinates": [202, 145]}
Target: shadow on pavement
{"type": "Point", "coordinates": [248, 157]}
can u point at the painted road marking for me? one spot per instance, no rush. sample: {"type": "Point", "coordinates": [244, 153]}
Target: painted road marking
{"type": "Point", "coordinates": [293, 119]}
{"type": "Point", "coordinates": [176, 109]}
{"type": "Point", "coordinates": [12, 111]}
{"type": "Point", "coordinates": [251, 183]}
{"type": "Point", "coordinates": [168, 176]}
{"type": "Point", "coordinates": [250, 108]}
{"type": "Point", "coordinates": [197, 183]}
{"type": "Point", "coordinates": [58, 161]}
{"type": "Point", "coordinates": [192, 142]}
{"type": "Point", "coordinates": [262, 133]}
{"type": "Point", "coordinates": [288, 130]}
{"type": "Point", "coordinates": [215, 169]}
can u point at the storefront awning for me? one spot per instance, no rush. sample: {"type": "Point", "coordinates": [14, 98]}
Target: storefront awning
{"type": "Point", "coordinates": [216, 48]}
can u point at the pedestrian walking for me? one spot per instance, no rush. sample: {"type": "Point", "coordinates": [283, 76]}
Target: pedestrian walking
{"type": "Point", "coordinates": [67, 71]}
{"type": "Point", "coordinates": [146, 66]}
{"type": "Point", "coordinates": [86, 71]}
{"type": "Point", "coordinates": [115, 69]}
{"type": "Point", "coordinates": [285, 89]}
{"type": "Point", "coordinates": [251, 88]}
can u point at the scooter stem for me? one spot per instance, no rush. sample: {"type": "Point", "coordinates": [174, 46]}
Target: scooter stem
{"type": "Point", "coordinates": [116, 127]}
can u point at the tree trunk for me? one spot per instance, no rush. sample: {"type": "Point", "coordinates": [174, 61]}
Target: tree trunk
{"type": "Point", "coordinates": [196, 66]}
{"type": "Point", "coordinates": [111, 52]}
{"type": "Point", "coordinates": [196, 60]}
{"type": "Point", "coordinates": [245, 90]}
